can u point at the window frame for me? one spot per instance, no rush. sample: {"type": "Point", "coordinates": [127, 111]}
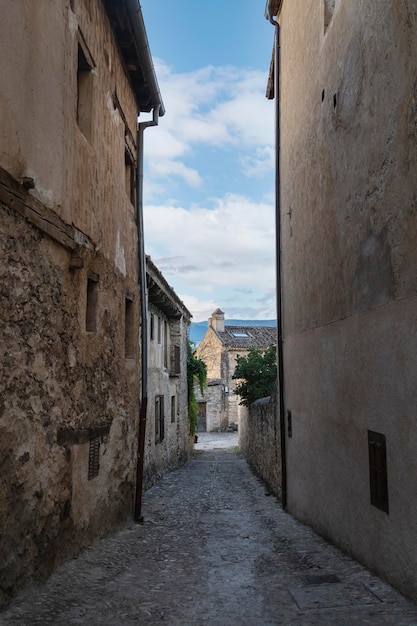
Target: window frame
{"type": "Point", "coordinates": [85, 89]}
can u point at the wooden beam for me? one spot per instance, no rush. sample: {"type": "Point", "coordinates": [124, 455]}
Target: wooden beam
{"type": "Point", "coordinates": [16, 197]}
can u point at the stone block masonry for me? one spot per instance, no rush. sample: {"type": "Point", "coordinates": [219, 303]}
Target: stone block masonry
{"type": "Point", "coordinates": [60, 387]}
{"type": "Point", "coordinates": [259, 440]}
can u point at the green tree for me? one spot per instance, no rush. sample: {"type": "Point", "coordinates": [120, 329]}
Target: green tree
{"type": "Point", "coordinates": [257, 373]}
{"type": "Point", "coordinates": [196, 373]}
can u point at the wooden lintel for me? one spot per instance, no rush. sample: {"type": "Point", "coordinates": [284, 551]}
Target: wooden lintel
{"type": "Point", "coordinates": [17, 198]}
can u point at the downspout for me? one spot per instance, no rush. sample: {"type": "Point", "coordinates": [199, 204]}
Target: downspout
{"type": "Point", "coordinates": [280, 351]}
{"type": "Point", "coordinates": [143, 314]}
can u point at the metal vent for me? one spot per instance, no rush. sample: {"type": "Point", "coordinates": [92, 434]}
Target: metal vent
{"type": "Point", "coordinates": [321, 579]}
{"type": "Point", "coordinates": [94, 458]}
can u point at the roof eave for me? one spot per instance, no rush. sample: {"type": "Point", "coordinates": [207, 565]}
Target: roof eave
{"type": "Point", "coordinates": [128, 26]}
{"type": "Point", "coordinates": [272, 8]}
{"type": "Point", "coordinates": [162, 295]}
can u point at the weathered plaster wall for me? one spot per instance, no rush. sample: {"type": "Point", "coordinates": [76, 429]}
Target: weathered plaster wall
{"type": "Point", "coordinates": [61, 385]}
{"type": "Point", "coordinates": [259, 441]}
{"type": "Point", "coordinates": [349, 235]}
{"type": "Point", "coordinates": [80, 178]}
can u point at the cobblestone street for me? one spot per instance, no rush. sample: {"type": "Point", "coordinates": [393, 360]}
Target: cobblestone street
{"type": "Point", "coordinates": [215, 548]}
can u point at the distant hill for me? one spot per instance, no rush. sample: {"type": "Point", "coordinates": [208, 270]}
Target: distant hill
{"type": "Point", "coordinates": [197, 330]}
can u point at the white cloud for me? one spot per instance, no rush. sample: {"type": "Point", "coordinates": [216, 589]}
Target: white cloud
{"type": "Point", "coordinates": [164, 168]}
{"type": "Point", "coordinates": [201, 309]}
{"type": "Point", "coordinates": [259, 163]}
{"type": "Point", "coordinates": [214, 107]}
{"type": "Point", "coordinates": [227, 250]}
{"type": "Point", "coordinates": [219, 251]}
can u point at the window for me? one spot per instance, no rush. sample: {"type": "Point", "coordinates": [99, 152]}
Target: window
{"type": "Point", "coordinates": [242, 334]}
{"type": "Point", "coordinates": [92, 303]}
{"type": "Point", "coordinates": [152, 326]}
{"type": "Point", "coordinates": [165, 344]}
{"type": "Point", "coordinates": [159, 330]}
{"type": "Point", "coordinates": [173, 409]}
{"type": "Point", "coordinates": [175, 360]}
{"type": "Point", "coordinates": [94, 458]}
{"type": "Point", "coordinates": [159, 419]}
{"type": "Point", "coordinates": [378, 476]}
{"type": "Point", "coordinates": [289, 422]}
{"type": "Point", "coordinates": [84, 91]}
{"type": "Point", "coordinates": [130, 175]}
{"type": "Point", "coordinates": [129, 329]}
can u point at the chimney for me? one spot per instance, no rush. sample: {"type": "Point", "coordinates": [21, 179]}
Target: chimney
{"type": "Point", "coordinates": [216, 321]}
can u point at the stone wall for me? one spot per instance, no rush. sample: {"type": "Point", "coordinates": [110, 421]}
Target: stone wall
{"type": "Point", "coordinates": [259, 440]}
{"type": "Point", "coordinates": [60, 387]}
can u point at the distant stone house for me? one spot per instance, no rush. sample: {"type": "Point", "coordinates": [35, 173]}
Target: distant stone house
{"type": "Point", "coordinates": [167, 443]}
{"type": "Point", "coordinates": [219, 407]}
{"type": "Point", "coordinates": [74, 76]}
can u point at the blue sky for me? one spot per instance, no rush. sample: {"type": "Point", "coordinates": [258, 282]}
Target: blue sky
{"type": "Point", "coordinates": [209, 165]}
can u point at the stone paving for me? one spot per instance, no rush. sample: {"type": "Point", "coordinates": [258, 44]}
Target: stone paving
{"type": "Point", "coordinates": [215, 549]}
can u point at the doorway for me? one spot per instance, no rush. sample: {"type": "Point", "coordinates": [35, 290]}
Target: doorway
{"type": "Point", "coordinates": [202, 417]}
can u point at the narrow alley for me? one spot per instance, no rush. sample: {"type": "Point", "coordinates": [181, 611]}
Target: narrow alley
{"type": "Point", "coordinates": [217, 549]}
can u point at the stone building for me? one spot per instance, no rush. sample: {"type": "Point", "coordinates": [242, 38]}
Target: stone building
{"type": "Point", "coordinates": [344, 81]}
{"type": "Point", "coordinates": [168, 443]}
{"type": "Point", "coordinates": [219, 408]}
{"type": "Point", "coordinates": [74, 76]}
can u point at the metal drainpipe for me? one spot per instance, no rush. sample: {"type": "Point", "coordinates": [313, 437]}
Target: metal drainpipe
{"type": "Point", "coordinates": [280, 354]}
{"type": "Point", "coordinates": [143, 314]}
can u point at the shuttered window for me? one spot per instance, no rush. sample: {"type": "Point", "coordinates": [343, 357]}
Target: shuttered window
{"type": "Point", "coordinates": [159, 419]}
{"type": "Point", "coordinates": [378, 476]}
{"type": "Point", "coordinates": [94, 458]}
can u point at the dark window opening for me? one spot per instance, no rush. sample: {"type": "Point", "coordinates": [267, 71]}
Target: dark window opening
{"type": "Point", "coordinates": [159, 330]}
{"type": "Point", "coordinates": [130, 180]}
{"type": "Point", "coordinates": [152, 328]}
{"type": "Point", "coordinates": [289, 422]}
{"type": "Point", "coordinates": [84, 94]}
{"type": "Point", "coordinates": [378, 476]}
{"type": "Point", "coordinates": [165, 344]}
{"type": "Point", "coordinates": [129, 329]}
{"type": "Point", "coordinates": [159, 419]}
{"type": "Point", "coordinates": [92, 304]}
{"type": "Point", "coordinates": [94, 458]}
{"type": "Point", "coordinates": [334, 100]}
{"type": "Point", "coordinates": [173, 409]}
